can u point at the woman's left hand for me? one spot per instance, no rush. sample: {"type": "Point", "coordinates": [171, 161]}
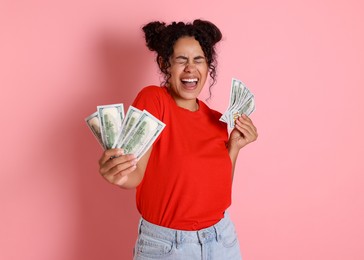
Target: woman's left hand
{"type": "Point", "coordinates": [243, 133]}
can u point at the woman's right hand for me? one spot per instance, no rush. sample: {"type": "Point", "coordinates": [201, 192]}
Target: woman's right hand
{"type": "Point", "coordinates": [115, 166]}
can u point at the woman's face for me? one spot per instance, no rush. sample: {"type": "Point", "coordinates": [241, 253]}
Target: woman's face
{"type": "Point", "coordinates": [189, 70]}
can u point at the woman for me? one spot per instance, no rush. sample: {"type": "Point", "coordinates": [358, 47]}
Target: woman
{"type": "Point", "coordinates": [184, 181]}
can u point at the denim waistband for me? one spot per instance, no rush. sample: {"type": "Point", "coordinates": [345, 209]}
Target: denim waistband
{"type": "Point", "coordinates": [181, 236]}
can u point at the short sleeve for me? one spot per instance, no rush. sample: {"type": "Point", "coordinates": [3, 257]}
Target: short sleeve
{"type": "Point", "coordinates": [149, 98]}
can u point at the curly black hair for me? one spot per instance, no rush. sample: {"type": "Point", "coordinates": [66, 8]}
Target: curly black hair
{"type": "Point", "coordinates": [161, 38]}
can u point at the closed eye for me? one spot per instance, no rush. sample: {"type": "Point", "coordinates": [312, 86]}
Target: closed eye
{"type": "Point", "coordinates": [199, 59]}
{"type": "Point", "coordinates": [181, 60]}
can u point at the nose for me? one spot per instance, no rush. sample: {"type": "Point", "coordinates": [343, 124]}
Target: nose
{"type": "Point", "coordinates": [190, 67]}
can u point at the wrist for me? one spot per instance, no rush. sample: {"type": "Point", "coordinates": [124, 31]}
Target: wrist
{"type": "Point", "coordinates": [233, 150]}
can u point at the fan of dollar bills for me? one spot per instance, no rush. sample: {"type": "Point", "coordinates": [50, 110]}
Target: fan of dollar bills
{"type": "Point", "coordinates": [241, 102]}
{"type": "Point", "coordinates": [135, 132]}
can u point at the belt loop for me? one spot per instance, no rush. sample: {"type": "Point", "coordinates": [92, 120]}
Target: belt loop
{"type": "Point", "coordinates": [217, 232]}
{"type": "Point", "coordinates": [178, 238]}
{"type": "Point", "coordinates": [139, 225]}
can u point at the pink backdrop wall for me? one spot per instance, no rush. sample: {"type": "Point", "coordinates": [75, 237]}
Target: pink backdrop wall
{"type": "Point", "coordinates": [297, 191]}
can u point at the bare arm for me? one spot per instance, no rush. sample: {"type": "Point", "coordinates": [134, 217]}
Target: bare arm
{"type": "Point", "coordinates": [244, 133]}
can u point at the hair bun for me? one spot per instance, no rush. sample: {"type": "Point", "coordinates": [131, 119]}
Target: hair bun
{"type": "Point", "coordinates": [210, 29]}
{"type": "Point", "coordinates": [152, 32]}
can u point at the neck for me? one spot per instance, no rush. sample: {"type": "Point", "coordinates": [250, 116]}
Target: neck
{"type": "Point", "coordinates": [191, 105]}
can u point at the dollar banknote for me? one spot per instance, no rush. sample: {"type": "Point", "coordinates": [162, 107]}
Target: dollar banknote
{"type": "Point", "coordinates": [93, 123]}
{"type": "Point", "coordinates": [236, 92]}
{"type": "Point", "coordinates": [135, 132]}
{"type": "Point", "coordinates": [141, 136]}
{"type": "Point", "coordinates": [241, 102]}
{"type": "Point", "coordinates": [131, 118]}
{"type": "Point", "coordinates": [248, 107]}
{"type": "Point", "coordinates": [111, 118]}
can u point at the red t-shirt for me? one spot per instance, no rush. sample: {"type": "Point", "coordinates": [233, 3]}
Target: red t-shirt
{"type": "Point", "coordinates": [187, 182]}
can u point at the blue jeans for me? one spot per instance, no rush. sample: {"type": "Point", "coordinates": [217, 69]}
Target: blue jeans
{"type": "Point", "coordinates": [218, 242]}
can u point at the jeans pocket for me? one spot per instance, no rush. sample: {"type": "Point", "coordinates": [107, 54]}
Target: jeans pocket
{"type": "Point", "coordinates": [229, 236]}
{"type": "Point", "coordinates": [153, 247]}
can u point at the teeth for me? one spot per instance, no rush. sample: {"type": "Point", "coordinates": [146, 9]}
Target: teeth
{"type": "Point", "coordinates": [189, 80]}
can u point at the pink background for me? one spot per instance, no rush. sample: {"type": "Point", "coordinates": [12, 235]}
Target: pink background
{"type": "Point", "coordinates": [298, 190]}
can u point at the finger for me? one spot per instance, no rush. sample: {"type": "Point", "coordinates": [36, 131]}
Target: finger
{"type": "Point", "coordinates": [124, 168]}
{"type": "Point", "coordinates": [246, 118]}
{"type": "Point", "coordinates": [247, 121]}
{"type": "Point", "coordinates": [116, 179]}
{"type": "Point", "coordinates": [241, 124]}
{"type": "Point", "coordinates": [111, 168]}
{"type": "Point", "coordinates": [243, 131]}
{"type": "Point", "coordinates": [111, 153]}
{"type": "Point", "coordinates": [248, 133]}
{"type": "Point", "coordinates": [124, 159]}
{"type": "Point", "coordinates": [120, 180]}
{"type": "Point", "coordinates": [111, 163]}
{"type": "Point", "coordinates": [121, 177]}
{"type": "Point", "coordinates": [129, 170]}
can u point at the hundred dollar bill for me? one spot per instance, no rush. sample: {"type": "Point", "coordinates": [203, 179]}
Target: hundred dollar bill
{"type": "Point", "coordinates": [131, 118]}
{"type": "Point", "coordinates": [241, 102]}
{"type": "Point", "coordinates": [142, 134]}
{"type": "Point", "coordinates": [247, 109]}
{"type": "Point", "coordinates": [236, 92]}
{"type": "Point", "coordinates": [111, 117]}
{"type": "Point", "coordinates": [93, 123]}
{"type": "Point", "coordinates": [248, 106]}
{"type": "Point", "coordinates": [243, 95]}
{"type": "Point", "coordinates": [233, 94]}
{"type": "Point", "coordinates": [238, 109]}
{"type": "Point", "coordinates": [152, 137]}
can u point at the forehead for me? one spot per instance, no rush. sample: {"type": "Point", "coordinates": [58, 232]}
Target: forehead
{"type": "Point", "coordinates": [187, 46]}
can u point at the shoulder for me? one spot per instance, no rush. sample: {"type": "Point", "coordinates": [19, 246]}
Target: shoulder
{"type": "Point", "coordinates": [215, 113]}
{"type": "Point", "coordinates": [151, 98]}
{"type": "Point", "coordinates": [214, 116]}
{"type": "Point", "coordinates": [152, 90]}
{"type": "Point", "coordinates": [150, 93]}
{"type": "Point", "coordinates": [208, 110]}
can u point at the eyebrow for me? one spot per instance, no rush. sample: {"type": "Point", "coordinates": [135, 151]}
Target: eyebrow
{"type": "Point", "coordinates": [181, 57]}
{"type": "Point", "coordinates": [185, 58]}
{"type": "Point", "coordinates": [199, 57]}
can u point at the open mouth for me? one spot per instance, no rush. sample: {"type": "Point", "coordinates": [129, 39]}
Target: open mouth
{"type": "Point", "coordinates": [189, 83]}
